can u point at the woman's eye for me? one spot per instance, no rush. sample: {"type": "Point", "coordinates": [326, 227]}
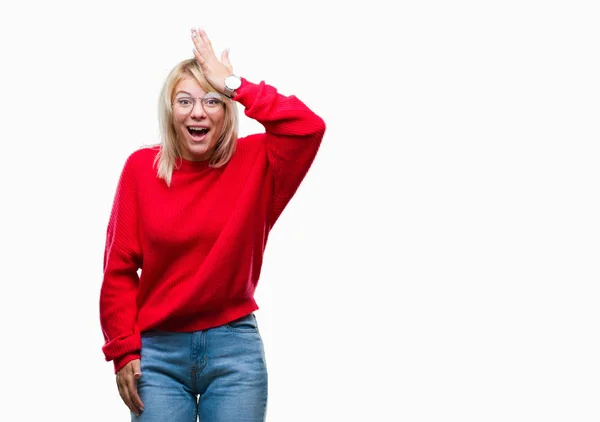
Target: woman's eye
{"type": "Point", "coordinates": [212, 102]}
{"type": "Point", "coordinates": [184, 101]}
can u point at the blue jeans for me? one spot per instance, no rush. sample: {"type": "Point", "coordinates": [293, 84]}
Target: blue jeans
{"type": "Point", "coordinates": [218, 375]}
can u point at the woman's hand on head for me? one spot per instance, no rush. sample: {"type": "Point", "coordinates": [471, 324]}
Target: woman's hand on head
{"type": "Point", "coordinates": [127, 378]}
{"type": "Point", "coordinates": [215, 70]}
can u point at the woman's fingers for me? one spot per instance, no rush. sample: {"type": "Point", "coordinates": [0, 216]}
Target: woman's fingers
{"type": "Point", "coordinates": [197, 47]}
{"type": "Point", "coordinates": [136, 373]}
{"type": "Point", "coordinates": [199, 57]}
{"type": "Point", "coordinates": [136, 402]}
{"type": "Point", "coordinates": [127, 383]}
{"type": "Point", "coordinates": [206, 41]}
{"type": "Point", "coordinates": [124, 392]}
{"type": "Point", "coordinates": [202, 43]}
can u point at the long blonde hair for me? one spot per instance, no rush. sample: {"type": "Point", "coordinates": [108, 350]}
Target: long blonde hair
{"type": "Point", "coordinates": [170, 152]}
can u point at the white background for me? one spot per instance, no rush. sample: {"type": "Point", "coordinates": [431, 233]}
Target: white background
{"type": "Point", "coordinates": [440, 260]}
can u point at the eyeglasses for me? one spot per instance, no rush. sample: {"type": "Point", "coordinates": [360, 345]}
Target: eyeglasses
{"type": "Point", "coordinates": [185, 105]}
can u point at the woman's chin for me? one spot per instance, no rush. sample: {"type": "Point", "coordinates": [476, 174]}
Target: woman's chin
{"type": "Point", "coordinates": [197, 152]}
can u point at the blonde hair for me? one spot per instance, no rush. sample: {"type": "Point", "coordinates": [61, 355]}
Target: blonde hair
{"type": "Point", "coordinates": [170, 152]}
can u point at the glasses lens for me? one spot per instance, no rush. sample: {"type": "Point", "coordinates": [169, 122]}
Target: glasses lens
{"type": "Point", "coordinates": [211, 104]}
{"type": "Point", "coordinates": [183, 105]}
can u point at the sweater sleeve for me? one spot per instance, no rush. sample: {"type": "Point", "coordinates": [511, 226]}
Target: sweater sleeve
{"type": "Point", "coordinates": [293, 136]}
{"type": "Point", "coordinates": [122, 259]}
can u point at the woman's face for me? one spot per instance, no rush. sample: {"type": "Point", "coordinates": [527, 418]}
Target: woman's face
{"type": "Point", "coordinates": [197, 126]}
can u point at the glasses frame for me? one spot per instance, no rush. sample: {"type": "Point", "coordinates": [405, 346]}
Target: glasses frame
{"type": "Point", "coordinates": [203, 100]}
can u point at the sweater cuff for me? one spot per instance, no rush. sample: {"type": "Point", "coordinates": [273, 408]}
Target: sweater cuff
{"type": "Point", "coordinates": [247, 92]}
{"type": "Point", "coordinates": [124, 360]}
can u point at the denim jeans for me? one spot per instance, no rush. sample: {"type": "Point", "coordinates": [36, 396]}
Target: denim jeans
{"type": "Point", "coordinates": [216, 375]}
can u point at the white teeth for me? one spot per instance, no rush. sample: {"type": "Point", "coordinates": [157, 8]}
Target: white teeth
{"type": "Point", "coordinates": [198, 128]}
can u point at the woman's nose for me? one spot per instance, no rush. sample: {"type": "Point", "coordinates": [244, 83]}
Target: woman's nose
{"type": "Point", "coordinates": [197, 108]}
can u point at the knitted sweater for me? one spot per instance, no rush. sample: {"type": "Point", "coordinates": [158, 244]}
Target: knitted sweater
{"type": "Point", "coordinates": [199, 243]}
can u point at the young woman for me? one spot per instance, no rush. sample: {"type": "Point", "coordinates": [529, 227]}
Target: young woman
{"type": "Point", "coordinates": [194, 214]}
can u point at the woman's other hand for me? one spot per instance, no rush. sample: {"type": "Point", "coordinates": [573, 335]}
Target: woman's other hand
{"type": "Point", "coordinates": [127, 378]}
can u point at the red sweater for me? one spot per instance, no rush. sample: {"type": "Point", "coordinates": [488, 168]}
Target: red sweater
{"type": "Point", "coordinates": [200, 243]}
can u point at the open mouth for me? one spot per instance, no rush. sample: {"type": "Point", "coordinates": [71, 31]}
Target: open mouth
{"type": "Point", "coordinates": [197, 132]}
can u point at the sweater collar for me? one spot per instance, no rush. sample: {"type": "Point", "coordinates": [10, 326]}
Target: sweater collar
{"type": "Point", "coordinates": [181, 164]}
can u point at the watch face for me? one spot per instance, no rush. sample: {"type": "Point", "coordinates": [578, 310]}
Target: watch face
{"type": "Point", "coordinates": [233, 82]}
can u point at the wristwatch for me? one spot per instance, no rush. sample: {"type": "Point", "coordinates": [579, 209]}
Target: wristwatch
{"type": "Point", "coordinates": [232, 83]}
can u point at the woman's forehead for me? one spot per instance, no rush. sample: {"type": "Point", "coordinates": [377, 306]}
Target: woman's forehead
{"type": "Point", "coordinates": [189, 85]}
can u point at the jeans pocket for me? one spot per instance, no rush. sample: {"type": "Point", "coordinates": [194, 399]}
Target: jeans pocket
{"type": "Point", "coordinates": [245, 324]}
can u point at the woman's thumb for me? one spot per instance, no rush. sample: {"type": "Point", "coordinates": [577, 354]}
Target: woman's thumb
{"type": "Point", "coordinates": [225, 58]}
{"type": "Point", "coordinates": [137, 370]}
